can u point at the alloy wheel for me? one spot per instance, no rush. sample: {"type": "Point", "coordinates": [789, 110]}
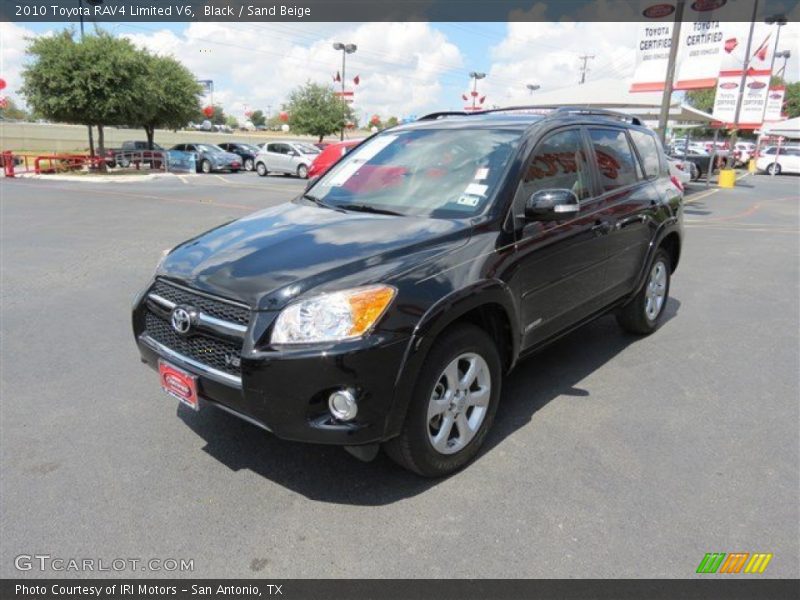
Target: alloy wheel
{"type": "Point", "coordinates": [459, 403]}
{"type": "Point", "coordinates": [656, 290]}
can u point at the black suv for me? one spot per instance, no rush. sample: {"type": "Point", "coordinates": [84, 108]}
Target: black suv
{"type": "Point", "coordinates": [385, 304]}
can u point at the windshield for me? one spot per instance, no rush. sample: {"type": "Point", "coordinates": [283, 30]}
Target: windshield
{"type": "Point", "coordinates": [444, 173]}
{"type": "Point", "coordinates": [250, 148]}
{"type": "Point", "coordinates": [306, 148]}
{"type": "Point", "coordinates": [209, 148]}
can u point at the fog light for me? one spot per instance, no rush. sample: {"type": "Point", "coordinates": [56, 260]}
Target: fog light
{"type": "Point", "coordinates": [342, 404]}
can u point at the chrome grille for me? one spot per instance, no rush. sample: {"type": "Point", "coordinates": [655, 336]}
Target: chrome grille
{"type": "Point", "coordinates": [216, 308]}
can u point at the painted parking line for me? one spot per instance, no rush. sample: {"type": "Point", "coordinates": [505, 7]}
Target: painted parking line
{"type": "Point", "coordinates": [700, 196]}
{"type": "Point", "coordinates": [221, 178]}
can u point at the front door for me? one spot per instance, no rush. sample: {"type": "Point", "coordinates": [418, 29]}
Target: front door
{"type": "Point", "coordinates": [561, 264]}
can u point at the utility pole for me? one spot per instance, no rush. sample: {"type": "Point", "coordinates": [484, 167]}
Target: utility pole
{"type": "Point", "coordinates": [740, 97]}
{"type": "Point", "coordinates": [666, 99]}
{"type": "Point", "coordinates": [585, 58]}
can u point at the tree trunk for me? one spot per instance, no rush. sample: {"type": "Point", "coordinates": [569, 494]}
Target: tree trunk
{"type": "Point", "coordinates": [101, 147]}
{"type": "Point", "coordinates": [320, 139]}
{"type": "Point", "coordinates": [150, 130]}
{"type": "Point", "coordinates": [91, 141]}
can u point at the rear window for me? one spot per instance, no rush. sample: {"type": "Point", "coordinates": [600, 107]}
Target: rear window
{"type": "Point", "coordinates": [648, 151]}
{"type": "Point", "coordinates": [614, 157]}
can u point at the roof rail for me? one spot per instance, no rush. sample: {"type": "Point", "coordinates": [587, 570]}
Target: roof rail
{"type": "Point", "coordinates": [445, 113]}
{"type": "Point", "coordinates": [554, 110]}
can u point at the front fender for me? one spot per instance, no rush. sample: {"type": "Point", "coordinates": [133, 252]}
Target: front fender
{"type": "Point", "coordinates": [436, 319]}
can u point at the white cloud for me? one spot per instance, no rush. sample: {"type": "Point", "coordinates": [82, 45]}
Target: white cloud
{"type": "Point", "coordinates": [257, 65]}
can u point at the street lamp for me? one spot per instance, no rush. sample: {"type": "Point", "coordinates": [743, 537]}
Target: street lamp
{"type": "Point", "coordinates": [785, 55]}
{"type": "Point", "coordinates": [532, 87]}
{"type": "Point", "coordinates": [346, 49]}
{"type": "Point", "coordinates": [474, 75]}
{"type": "Point", "coordinates": [80, 16]}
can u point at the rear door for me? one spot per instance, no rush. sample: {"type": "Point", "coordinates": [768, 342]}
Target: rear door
{"type": "Point", "coordinates": [275, 158]}
{"type": "Point", "coordinates": [629, 198]}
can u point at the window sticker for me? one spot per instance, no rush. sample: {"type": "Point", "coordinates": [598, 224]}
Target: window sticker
{"type": "Point", "coordinates": [476, 189]}
{"type": "Point", "coordinates": [468, 200]}
{"type": "Point", "coordinates": [481, 174]}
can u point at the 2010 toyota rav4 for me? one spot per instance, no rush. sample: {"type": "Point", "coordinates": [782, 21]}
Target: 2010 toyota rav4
{"type": "Point", "coordinates": [385, 305]}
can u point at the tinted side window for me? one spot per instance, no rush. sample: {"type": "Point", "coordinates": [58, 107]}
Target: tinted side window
{"type": "Point", "coordinates": [272, 147]}
{"type": "Point", "coordinates": [648, 151]}
{"type": "Point", "coordinates": [615, 161]}
{"type": "Point", "coordinates": [558, 162]}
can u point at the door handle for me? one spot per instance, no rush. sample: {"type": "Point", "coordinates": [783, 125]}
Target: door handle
{"type": "Point", "coordinates": [601, 227]}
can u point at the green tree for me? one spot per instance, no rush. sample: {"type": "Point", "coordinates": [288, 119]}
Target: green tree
{"type": "Point", "coordinates": [791, 100]}
{"type": "Point", "coordinates": [391, 122]}
{"type": "Point", "coordinates": [173, 96]}
{"type": "Point", "coordinates": [232, 122]}
{"type": "Point", "coordinates": [258, 119]}
{"type": "Point", "coordinates": [12, 111]}
{"type": "Point", "coordinates": [702, 99]}
{"type": "Point", "coordinates": [314, 109]}
{"type": "Point", "coordinates": [98, 81]}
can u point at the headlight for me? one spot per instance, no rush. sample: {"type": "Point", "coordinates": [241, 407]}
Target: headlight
{"type": "Point", "coordinates": [332, 317]}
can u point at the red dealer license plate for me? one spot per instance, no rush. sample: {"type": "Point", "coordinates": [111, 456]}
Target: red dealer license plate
{"type": "Point", "coordinates": [180, 384]}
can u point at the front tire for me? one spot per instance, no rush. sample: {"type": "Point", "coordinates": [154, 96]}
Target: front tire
{"type": "Point", "coordinates": [774, 169]}
{"type": "Point", "coordinates": [644, 313]}
{"type": "Point", "coordinates": [453, 405]}
{"type": "Point", "coordinates": [248, 164]}
{"type": "Point", "coordinates": [205, 166]}
{"type": "Point", "coordinates": [261, 169]}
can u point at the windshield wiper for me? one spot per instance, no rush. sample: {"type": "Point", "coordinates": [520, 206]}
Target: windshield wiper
{"type": "Point", "coordinates": [321, 203]}
{"type": "Point", "coordinates": [369, 208]}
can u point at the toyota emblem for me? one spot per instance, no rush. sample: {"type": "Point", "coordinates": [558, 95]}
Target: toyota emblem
{"type": "Point", "coordinates": [181, 320]}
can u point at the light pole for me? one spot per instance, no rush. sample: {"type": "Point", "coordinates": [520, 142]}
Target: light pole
{"type": "Point", "coordinates": [346, 49]}
{"type": "Point", "coordinates": [532, 87]}
{"type": "Point", "coordinates": [80, 16]}
{"type": "Point", "coordinates": [785, 55]}
{"type": "Point", "coordinates": [475, 76]}
{"type": "Point", "coordinates": [780, 21]}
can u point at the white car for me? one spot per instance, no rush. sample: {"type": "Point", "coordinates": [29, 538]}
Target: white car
{"type": "Point", "coordinates": [290, 158]}
{"type": "Point", "coordinates": [681, 170]}
{"type": "Point", "coordinates": [745, 151]}
{"type": "Point", "coordinates": [775, 162]}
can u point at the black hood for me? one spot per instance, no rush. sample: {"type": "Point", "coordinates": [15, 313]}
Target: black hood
{"type": "Point", "coordinates": [272, 256]}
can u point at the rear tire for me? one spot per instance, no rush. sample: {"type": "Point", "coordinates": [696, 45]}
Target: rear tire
{"type": "Point", "coordinates": [644, 313]}
{"type": "Point", "coordinates": [261, 169]}
{"type": "Point", "coordinates": [453, 404]}
{"type": "Point", "coordinates": [774, 169]}
{"type": "Point", "coordinates": [302, 172]}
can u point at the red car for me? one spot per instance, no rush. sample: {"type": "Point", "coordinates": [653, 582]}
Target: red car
{"type": "Point", "coordinates": [330, 155]}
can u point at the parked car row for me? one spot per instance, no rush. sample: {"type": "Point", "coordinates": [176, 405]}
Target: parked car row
{"type": "Point", "coordinates": [301, 159]}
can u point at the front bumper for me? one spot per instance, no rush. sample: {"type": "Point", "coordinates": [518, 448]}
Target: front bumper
{"type": "Point", "coordinates": [286, 392]}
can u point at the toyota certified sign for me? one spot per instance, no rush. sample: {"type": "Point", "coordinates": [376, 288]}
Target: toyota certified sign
{"type": "Point", "coordinates": [706, 5]}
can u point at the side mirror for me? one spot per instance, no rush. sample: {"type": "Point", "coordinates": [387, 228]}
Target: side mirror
{"type": "Point", "coordinates": [552, 205]}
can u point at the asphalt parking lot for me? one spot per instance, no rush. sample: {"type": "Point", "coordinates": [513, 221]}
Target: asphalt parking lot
{"type": "Point", "coordinates": [611, 456]}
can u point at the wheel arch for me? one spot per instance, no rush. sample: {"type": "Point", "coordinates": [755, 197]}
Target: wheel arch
{"type": "Point", "coordinates": [487, 304]}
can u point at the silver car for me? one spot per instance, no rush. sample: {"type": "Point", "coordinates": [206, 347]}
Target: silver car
{"type": "Point", "coordinates": [292, 158]}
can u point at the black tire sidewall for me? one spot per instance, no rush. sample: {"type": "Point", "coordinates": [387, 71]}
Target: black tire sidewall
{"type": "Point", "coordinates": [302, 172]}
{"type": "Point", "coordinates": [203, 164]}
{"type": "Point", "coordinates": [461, 339]}
{"type": "Point", "coordinates": [261, 169]}
{"type": "Point", "coordinates": [251, 164]}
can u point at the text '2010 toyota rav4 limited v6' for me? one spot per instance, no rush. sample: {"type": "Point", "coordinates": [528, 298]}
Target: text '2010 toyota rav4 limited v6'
{"type": "Point", "coordinates": [386, 304]}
